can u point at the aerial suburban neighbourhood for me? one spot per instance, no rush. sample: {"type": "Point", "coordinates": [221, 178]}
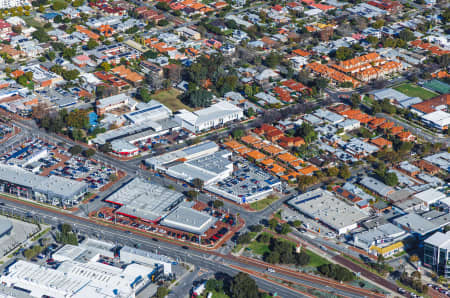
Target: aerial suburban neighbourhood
{"type": "Point", "coordinates": [229, 148]}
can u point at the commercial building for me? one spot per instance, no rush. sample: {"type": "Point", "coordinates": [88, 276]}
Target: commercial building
{"type": "Point", "coordinates": [441, 159]}
{"type": "Point", "coordinates": [376, 186]}
{"type": "Point", "coordinates": [438, 119]}
{"type": "Point", "coordinates": [247, 184]}
{"type": "Point", "coordinates": [322, 205]}
{"type": "Point", "coordinates": [86, 271]}
{"type": "Point", "coordinates": [129, 254]}
{"type": "Point", "coordinates": [112, 102]}
{"type": "Point", "coordinates": [436, 253]}
{"type": "Point", "coordinates": [151, 111]}
{"type": "Point", "coordinates": [214, 116]}
{"type": "Point", "coordinates": [145, 200]}
{"type": "Point", "coordinates": [186, 219]}
{"type": "Point", "coordinates": [430, 196]}
{"type": "Point", "coordinates": [416, 225]}
{"type": "Point", "coordinates": [5, 4]}
{"type": "Point", "coordinates": [53, 190]}
{"type": "Point", "coordinates": [208, 168]}
{"type": "Point", "coordinates": [161, 162]}
{"type": "Point", "coordinates": [385, 240]}
{"type": "Point", "coordinates": [146, 121]}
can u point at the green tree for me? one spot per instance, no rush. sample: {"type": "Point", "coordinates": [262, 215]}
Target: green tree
{"type": "Point", "coordinates": [332, 172]}
{"type": "Point", "coordinates": [69, 53]}
{"type": "Point", "coordinates": [144, 94]}
{"type": "Point", "coordinates": [344, 172]}
{"type": "Point", "coordinates": [355, 100]}
{"type": "Point", "coordinates": [344, 53]}
{"type": "Point", "coordinates": [391, 179]}
{"type": "Point", "coordinates": [256, 228]}
{"type": "Point", "coordinates": [78, 119]}
{"type": "Point", "coordinates": [285, 229]}
{"type": "Point", "coordinates": [89, 153]}
{"type": "Point", "coordinates": [297, 223]}
{"type": "Point", "coordinates": [244, 238]}
{"type": "Point", "coordinates": [163, 6]}
{"type": "Point", "coordinates": [372, 39]}
{"type": "Point", "coordinates": [218, 204]}
{"type": "Point", "coordinates": [51, 55]}
{"type": "Point", "coordinates": [40, 35]}
{"type": "Point", "coordinates": [59, 5]}
{"type": "Point", "coordinates": [163, 22]}
{"type": "Point", "coordinates": [105, 66]}
{"type": "Point", "coordinates": [406, 35]}
{"type": "Point", "coordinates": [243, 286]}
{"type": "Point", "coordinates": [22, 80]}
{"type": "Point", "coordinates": [92, 44]}
{"type": "Point", "coordinates": [273, 223]}
{"type": "Point", "coordinates": [272, 60]}
{"type": "Point", "coordinates": [306, 131]}
{"type": "Point", "coordinates": [214, 285]}
{"type": "Point", "coordinates": [150, 54]}
{"type": "Point", "coordinates": [198, 183]}
{"type": "Point", "coordinates": [75, 150]}
{"type": "Point", "coordinates": [77, 3]}
{"type": "Point", "coordinates": [378, 24]}
{"type": "Point", "coordinates": [70, 75]}
{"type": "Point", "coordinates": [238, 133]}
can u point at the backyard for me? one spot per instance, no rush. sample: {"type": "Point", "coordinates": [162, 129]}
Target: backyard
{"type": "Point", "coordinates": [413, 90]}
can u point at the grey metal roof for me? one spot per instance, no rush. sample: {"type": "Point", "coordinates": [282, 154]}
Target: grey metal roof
{"type": "Point", "coordinates": [416, 223]}
{"type": "Point", "coordinates": [376, 186]}
{"type": "Point", "coordinates": [144, 199]}
{"type": "Point", "coordinates": [189, 220]}
{"type": "Point", "coordinates": [52, 186]}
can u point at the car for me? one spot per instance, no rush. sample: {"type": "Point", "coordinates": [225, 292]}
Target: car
{"type": "Point", "coordinates": [271, 270]}
{"type": "Point", "coordinates": [401, 290]}
{"type": "Point", "coordinates": [184, 247]}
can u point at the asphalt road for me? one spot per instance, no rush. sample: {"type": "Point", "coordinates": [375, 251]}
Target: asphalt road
{"type": "Point", "coordinates": [213, 261]}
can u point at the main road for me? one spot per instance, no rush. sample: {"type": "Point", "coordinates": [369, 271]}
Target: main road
{"type": "Point", "coordinates": [205, 259]}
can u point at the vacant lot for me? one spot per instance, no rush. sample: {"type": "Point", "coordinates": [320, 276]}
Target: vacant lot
{"type": "Point", "coordinates": [415, 91]}
{"type": "Point", "coordinates": [169, 98]}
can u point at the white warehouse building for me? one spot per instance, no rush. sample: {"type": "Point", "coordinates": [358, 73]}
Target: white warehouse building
{"type": "Point", "coordinates": [324, 206]}
{"type": "Point", "coordinates": [208, 118]}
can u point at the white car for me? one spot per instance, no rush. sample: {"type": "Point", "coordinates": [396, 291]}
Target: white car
{"type": "Point", "coordinates": [271, 270]}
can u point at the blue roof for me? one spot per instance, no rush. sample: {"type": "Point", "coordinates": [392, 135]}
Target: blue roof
{"type": "Point", "coordinates": [92, 118]}
{"type": "Point", "coordinates": [50, 15]}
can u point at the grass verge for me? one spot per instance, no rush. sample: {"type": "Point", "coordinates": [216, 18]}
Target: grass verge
{"type": "Point", "coordinates": [314, 259]}
{"type": "Point", "coordinates": [264, 203]}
